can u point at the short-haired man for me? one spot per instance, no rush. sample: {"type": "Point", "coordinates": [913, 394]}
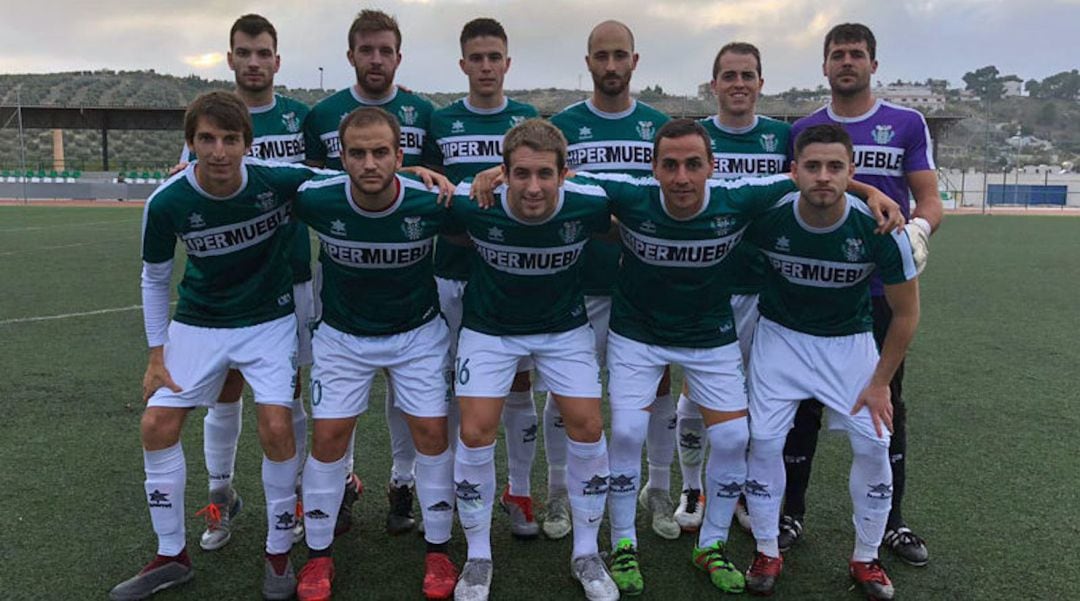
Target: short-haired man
{"type": "Point", "coordinates": [611, 132]}
{"type": "Point", "coordinates": [375, 53]}
{"type": "Point", "coordinates": [276, 120]}
{"type": "Point", "coordinates": [468, 136]}
{"type": "Point", "coordinates": [814, 340]}
{"type": "Point", "coordinates": [677, 231]}
{"type": "Point", "coordinates": [235, 310]}
{"type": "Point", "coordinates": [744, 144]}
{"type": "Point", "coordinates": [380, 311]}
{"type": "Point", "coordinates": [524, 300]}
{"type": "Point", "coordinates": [893, 152]}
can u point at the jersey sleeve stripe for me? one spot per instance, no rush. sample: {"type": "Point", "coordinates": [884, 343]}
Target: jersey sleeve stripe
{"type": "Point", "coordinates": [323, 183]}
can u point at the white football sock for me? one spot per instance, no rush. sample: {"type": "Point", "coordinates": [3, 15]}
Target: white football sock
{"type": "Point", "coordinates": [764, 490]}
{"type": "Point", "coordinates": [401, 443]}
{"type": "Point", "coordinates": [870, 485]}
{"type": "Point", "coordinates": [350, 454]}
{"type": "Point", "coordinates": [221, 433]}
{"type": "Point", "coordinates": [692, 443]}
{"type": "Point", "coordinates": [725, 473]}
{"type": "Point", "coordinates": [554, 447]}
{"type": "Point", "coordinates": [299, 424]}
{"type": "Point", "coordinates": [474, 487]}
{"type": "Point", "coordinates": [166, 474]}
{"type": "Point", "coordinates": [587, 471]}
{"type": "Point", "coordinates": [323, 486]}
{"type": "Point", "coordinates": [660, 443]}
{"type": "Point", "coordinates": [628, 428]}
{"type": "Point", "coordinates": [435, 490]}
{"type": "Point", "coordinates": [519, 421]}
{"type": "Point", "coordinates": [279, 488]}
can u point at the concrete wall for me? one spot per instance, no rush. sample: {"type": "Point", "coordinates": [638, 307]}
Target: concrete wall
{"type": "Point", "coordinates": [81, 190]}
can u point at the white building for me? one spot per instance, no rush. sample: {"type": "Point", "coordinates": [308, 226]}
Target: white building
{"type": "Point", "coordinates": [914, 96]}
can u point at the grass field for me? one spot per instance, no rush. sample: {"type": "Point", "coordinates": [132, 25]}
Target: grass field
{"type": "Point", "coordinates": [993, 406]}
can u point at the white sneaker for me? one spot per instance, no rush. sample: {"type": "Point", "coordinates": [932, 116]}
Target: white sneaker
{"type": "Point", "coordinates": [591, 572]}
{"type": "Point", "coordinates": [691, 510]}
{"type": "Point", "coordinates": [557, 518]}
{"type": "Point", "coordinates": [658, 503]}
{"type": "Point", "coordinates": [219, 515]}
{"type": "Point", "coordinates": [475, 581]}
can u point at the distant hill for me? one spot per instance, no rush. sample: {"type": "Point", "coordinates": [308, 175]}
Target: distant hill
{"type": "Point", "coordinates": [978, 138]}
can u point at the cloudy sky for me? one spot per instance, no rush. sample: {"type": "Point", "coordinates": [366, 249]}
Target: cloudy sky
{"type": "Point", "coordinates": [676, 38]}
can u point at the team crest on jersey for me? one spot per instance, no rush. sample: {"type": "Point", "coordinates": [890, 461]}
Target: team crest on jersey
{"type": "Point", "coordinates": [457, 127]}
{"type": "Point", "coordinates": [265, 201]}
{"type": "Point", "coordinates": [584, 133]}
{"type": "Point", "coordinates": [570, 231]}
{"type": "Point", "coordinates": [854, 250]}
{"type": "Point", "coordinates": [495, 234]}
{"type": "Point", "coordinates": [648, 227]}
{"type": "Point", "coordinates": [407, 115]}
{"type": "Point", "coordinates": [291, 121]}
{"type": "Point", "coordinates": [768, 142]}
{"type": "Point", "coordinates": [196, 220]}
{"type": "Point", "coordinates": [413, 227]}
{"type": "Point", "coordinates": [782, 243]}
{"type": "Point", "coordinates": [645, 130]}
{"type": "Point", "coordinates": [724, 225]}
{"type": "Point", "coordinates": [337, 227]}
{"type": "Point", "coordinates": [883, 134]}
{"type": "Point", "coordinates": [516, 120]}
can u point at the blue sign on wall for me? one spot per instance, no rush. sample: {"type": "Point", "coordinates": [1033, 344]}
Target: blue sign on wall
{"type": "Point", "coordinates": [1009, 194]}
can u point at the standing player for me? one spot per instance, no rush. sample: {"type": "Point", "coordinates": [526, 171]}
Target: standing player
{"type": "Point", "coordinates": [276, 122]}
{"type": "Point", "coordinates": [468, 138]}
{"type": "Point", "coordinates": [380, 311]}
{"type": "Point", "coordinates": [677, 231]}
{"type": "Point", "coordinates": [524, 300]}
{"type": "Point", "coordinates": [611, 133]}
{"type": "Point", "coordinates": [375, 54]}
{"type": "Point", "coordinates": [744, 144]}
{"type": "Point", "coordinates": [235, 310]}
{"type": "Point", "coordinates": [814, 340]}
{"type": "Point", "coordinates": [893, 152]}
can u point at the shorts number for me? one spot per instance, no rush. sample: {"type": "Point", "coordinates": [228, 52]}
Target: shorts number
{"type": "Point", "coordinates": [316, 392]}
{"type": "Point", "coordinates": [462, 371]}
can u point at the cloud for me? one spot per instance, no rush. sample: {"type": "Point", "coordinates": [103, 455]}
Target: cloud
{"type": "Point", "coordinates": [207, 60]}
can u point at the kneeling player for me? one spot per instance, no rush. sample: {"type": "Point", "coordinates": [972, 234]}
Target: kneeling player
{"type": "Point", "coordinates": [525, 300]}
{"type": "Point", "coordinates": [815, 340]}
{"type": "Point", "coordinates": [380, 311]}
{"type": "Point", "coordinates": [235, 311]}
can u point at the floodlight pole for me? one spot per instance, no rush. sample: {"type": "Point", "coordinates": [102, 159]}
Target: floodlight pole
{"type": "Point", "coordinates": [22, 143]}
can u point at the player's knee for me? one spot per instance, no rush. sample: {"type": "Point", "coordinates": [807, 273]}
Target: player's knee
{"type": "Point", "coordinates": [429, 436]}
{"type": "Point", "coordinates": [276, 435]}
{"type": "Point", "coordinates": [732, 439]}
{"type": "Point", "coordinates": [584, 428]}
{"type": "Point", "coordinates": [160, 429]}
{"type": "Point", "coordinates": [475, 435]}
{"type": "Point", "coordinates": [627, 435]}
{"type": "Point", "coordinates": [766, 448]}
{"type": "Point", "coordinates": [865, 448]}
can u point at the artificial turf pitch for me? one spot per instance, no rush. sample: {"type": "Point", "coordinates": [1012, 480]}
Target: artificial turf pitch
{"type": "Point", "coordinates": [992, 402]}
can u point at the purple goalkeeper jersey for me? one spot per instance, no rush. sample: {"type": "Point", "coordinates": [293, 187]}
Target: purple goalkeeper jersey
{"type": "Point", "coordinates": [889, 141]}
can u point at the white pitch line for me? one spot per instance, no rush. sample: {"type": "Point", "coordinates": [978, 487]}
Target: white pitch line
{"type": "Point", "coordinates": [69, 315]}
{"type": "Point", "coordinates": [58, 246]}
{"type": "Point", "coordinates": [31, 228]}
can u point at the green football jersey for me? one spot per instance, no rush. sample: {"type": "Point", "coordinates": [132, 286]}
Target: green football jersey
{"type": "Point", "coordinates": [671, 289]}
{"type": "Point", "coordinates": [277, 136]}
{"type": "Point", "coordinates": [376, 266]}
{"type": "Point", "coordinates": [754, 151]}
{"type": "Point", "coordinates": [526, 276]}
{"type": "Point", "coordinates": [466, 140]}
{"type": "Point", "coordinates": [819, 281]}
{"type": "Point", "coordinates": [237, 271]}
{"type": "Point", "coordinates": [607, 143]}
{"type": "Point", "coordinates": [413, 113]}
